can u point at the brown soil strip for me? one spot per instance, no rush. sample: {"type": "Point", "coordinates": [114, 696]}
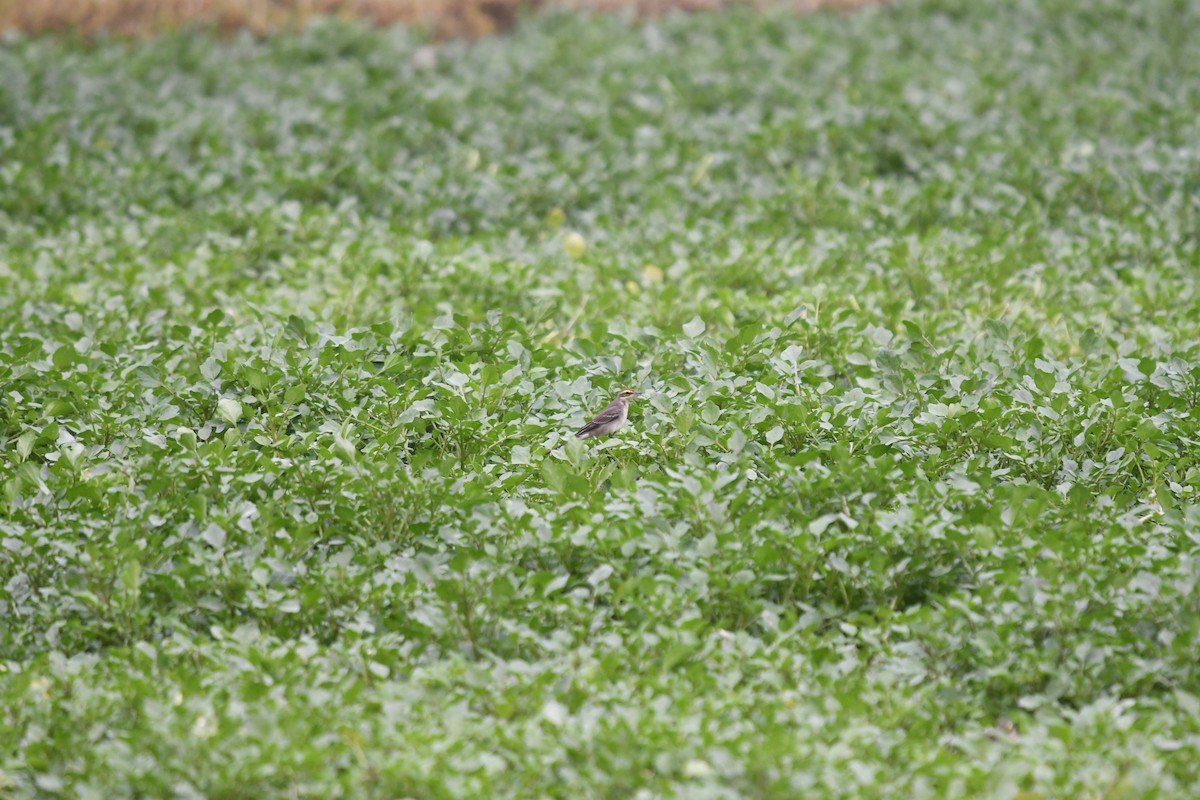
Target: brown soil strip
{"type": "Point", "coordinates": [446, 18]}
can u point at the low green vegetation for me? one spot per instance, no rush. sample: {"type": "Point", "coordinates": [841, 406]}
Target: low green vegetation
{"type": "Point", "coordinates": [294, 335]}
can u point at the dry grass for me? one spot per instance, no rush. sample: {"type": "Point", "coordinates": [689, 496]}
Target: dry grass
{"type": "Point", "coordinates": [445, 17]}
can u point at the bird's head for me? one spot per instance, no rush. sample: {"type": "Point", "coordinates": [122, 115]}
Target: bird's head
{"type": "Point", "coordinates": [627, 394]}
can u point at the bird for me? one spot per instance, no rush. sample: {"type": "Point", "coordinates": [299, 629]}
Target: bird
{"type": "Point", "coordinates": [611, 419]}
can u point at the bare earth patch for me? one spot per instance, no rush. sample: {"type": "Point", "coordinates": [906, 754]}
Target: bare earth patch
{"type": "Point", "coordinates": [445, 17]}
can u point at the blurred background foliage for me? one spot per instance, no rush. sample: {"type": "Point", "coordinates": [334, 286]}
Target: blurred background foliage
{"type": "Point", "coordinates": [469, 18]}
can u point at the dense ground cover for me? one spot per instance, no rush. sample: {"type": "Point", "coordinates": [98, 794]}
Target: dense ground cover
{"type": "Point", "coordinates": [291, 346]}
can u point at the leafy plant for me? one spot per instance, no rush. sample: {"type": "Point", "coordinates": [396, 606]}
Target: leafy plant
{"type": "Point", "coordinates": [294, 335]}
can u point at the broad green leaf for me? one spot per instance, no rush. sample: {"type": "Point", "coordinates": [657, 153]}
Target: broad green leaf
{"type": "Point", "coordinates": [229, 410]}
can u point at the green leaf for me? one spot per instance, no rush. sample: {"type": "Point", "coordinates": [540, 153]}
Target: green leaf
{"type": "Point", "coordinates": [299, 328]}
{"type": "Point", "coordinates": [345, 449]}
{"type": "Point", "coordinates": [257, 379]}
{"type": "Point", "coordinates": [694, 328]}
{"type": "Point", "coordinates": [131, 575]}
{"type": "Point", "coordinates": [555, 474]}
{"type": "Point", "coordinates": [685, 419]}
{"type": "Point", "coordinates": [214, 535]}
{"type": "Point", "coordinates": [25, 443]}
{"type": "Point", "coordinates": [599, 575]}
{"type": "Point", "coordinates": [229, 410]}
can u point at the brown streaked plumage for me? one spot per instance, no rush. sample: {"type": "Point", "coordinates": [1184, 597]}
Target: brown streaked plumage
{"type": "Point", "coordinates": [611, 419]}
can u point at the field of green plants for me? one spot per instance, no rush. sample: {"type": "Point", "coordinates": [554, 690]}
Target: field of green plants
{"type": "Point", "coordinates": [294, 335]}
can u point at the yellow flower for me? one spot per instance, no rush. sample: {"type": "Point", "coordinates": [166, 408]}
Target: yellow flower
{"type": "Point", "coordinates": [40, 687]}
{"type": "Point", "coordinates": [574, 244]}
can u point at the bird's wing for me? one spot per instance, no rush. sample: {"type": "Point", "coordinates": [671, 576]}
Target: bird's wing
{"type": "Point", "coordinates": [611, 413]}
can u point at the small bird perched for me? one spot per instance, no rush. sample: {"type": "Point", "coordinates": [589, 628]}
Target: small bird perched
{"type": "Point", "coordinates": [611, 419]}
